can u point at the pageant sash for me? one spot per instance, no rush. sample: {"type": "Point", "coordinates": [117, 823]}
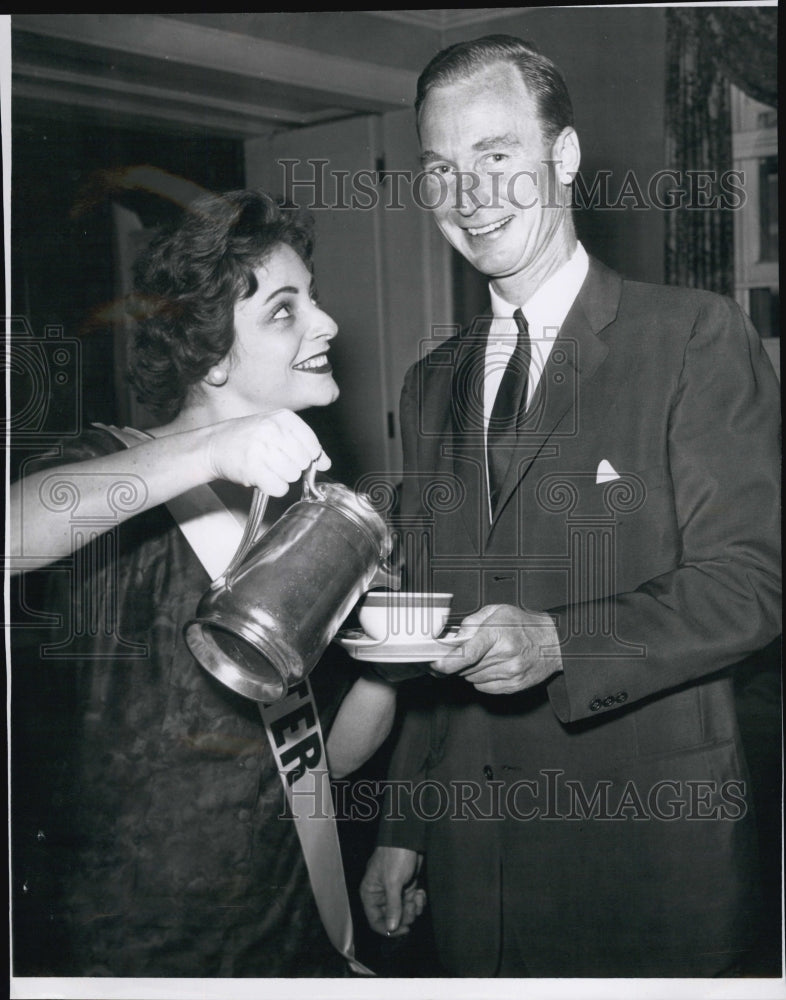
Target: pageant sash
{"type": "Point", "coordinates": [292, 724]}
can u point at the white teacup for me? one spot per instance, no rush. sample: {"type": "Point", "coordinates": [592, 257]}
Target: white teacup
{"type": "Point", "coordinates": [403, 616]}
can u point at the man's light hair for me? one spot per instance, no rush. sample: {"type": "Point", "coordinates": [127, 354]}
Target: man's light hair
{"type": "Point", "coordinates": [541, 76]}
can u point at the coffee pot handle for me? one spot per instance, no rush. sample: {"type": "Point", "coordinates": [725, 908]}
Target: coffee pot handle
{"type": "Point", "coordinates": [255, 518]}
{"type": "Point", "coordinates": [310, 489]}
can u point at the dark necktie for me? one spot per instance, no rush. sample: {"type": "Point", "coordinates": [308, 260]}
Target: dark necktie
{"type": "Point", "coordinates": [510, 401]}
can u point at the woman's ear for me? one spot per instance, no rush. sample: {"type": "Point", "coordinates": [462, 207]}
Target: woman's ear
{"type": "Point", "coordinates": [216, 376]}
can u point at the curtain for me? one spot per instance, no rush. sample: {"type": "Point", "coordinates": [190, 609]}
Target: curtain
{"type": "Point", "coordinates": [742, 41]}
{"type": "Point", "coordinates": [706, 49]}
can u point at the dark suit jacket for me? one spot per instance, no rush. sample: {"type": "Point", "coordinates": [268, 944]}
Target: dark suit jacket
{"type": "Point", "coordinates": [602, 819]}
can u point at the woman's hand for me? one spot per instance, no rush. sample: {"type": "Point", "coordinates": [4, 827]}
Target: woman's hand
{"type": "Point", "coordinates": [269, 451]}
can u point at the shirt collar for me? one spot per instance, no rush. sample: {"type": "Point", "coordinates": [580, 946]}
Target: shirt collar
{"type": "Point", "coordinates": [550, 304]}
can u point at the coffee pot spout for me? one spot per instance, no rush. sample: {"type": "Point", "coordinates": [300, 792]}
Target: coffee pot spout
{"type": "Point", "coordinates": [386, 576]}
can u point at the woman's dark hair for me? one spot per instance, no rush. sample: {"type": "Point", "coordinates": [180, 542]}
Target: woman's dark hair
{"type": "Point", "coordinates": [187, 281]}
{"type": "Point", "coordinates": [542, 77]}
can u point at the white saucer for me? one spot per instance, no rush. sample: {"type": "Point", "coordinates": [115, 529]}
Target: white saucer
{"type": "Point", "coordinates": [363, 647]}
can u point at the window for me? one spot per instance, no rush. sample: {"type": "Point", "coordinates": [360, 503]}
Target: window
{"type": "Point", "coordinates": [755, 152]}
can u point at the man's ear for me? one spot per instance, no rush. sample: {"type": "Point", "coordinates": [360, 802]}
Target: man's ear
{"type": "Point", "coordinates": [566, 154]}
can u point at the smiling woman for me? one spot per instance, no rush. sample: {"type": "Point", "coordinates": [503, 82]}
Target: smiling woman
{"type": "Point", "coordinates": [281, 330]}
{"type": "Point", "coordinates": [163, 847]}
{"type": "Point", "coordinates": [215, 359]}
{"type": "Point", "coordinates": [228, 288]}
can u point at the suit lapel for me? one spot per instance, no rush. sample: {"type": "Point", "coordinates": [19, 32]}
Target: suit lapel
{"type": "Point", "coordinates": [576, 355]}
{"type": "Point", "coordinates": [466, 444]}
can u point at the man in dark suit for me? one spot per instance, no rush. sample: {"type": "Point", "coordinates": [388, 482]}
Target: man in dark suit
{"type": "Point", "coordinates": [595, 471]}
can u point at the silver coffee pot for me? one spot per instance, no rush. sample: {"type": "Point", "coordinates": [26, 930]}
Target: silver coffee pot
{"type": "Point", "coordinates": [263, 625]}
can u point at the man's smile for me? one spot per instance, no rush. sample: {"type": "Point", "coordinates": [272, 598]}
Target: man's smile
{"type": "Point", "coordinates": [490, 228]}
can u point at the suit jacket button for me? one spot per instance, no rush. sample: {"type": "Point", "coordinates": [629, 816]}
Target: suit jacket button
{"type": "Point", "coordinates": [488, 772]}
{"type": "Point", "coordinates": [595, 704]}
{"type": "Point", "coordinates": [608, 702]}
{"type": "Point", "coordinates": [622, 696]}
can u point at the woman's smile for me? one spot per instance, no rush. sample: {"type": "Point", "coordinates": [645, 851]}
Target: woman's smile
{"type": "Point", "coordinates": [316, 365]}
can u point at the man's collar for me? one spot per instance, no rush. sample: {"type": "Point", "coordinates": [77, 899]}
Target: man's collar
{"type": "Point", "coordinates": [549, 306]}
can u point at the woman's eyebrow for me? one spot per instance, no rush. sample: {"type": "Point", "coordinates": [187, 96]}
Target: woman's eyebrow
{"type": "Point", "coordinates": [284, 288]}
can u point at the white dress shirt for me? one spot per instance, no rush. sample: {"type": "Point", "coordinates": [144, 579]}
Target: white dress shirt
{"type": "Point", "coordinates": [545, 312]}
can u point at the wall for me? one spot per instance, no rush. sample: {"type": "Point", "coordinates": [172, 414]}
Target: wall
{"type": "Point", "coordinates": [352, 34]}
{"type": "Point", "coordinates": [67, 173]}
{"type": "Point", "coordinates": [381, 270]}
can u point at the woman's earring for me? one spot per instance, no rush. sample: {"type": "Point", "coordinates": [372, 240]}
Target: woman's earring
{"type": "Point", "coordinates": [217, 376]}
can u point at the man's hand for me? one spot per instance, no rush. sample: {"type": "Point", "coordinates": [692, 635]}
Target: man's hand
{"type": "Point", "coordinates": [507, 649]}
{"type": "Point", "coordinates": [389, 890]}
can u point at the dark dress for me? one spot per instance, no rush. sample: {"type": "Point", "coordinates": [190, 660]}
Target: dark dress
{"type": "Point", "coordinates": [150, 831]}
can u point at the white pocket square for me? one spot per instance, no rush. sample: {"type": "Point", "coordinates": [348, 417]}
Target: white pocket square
{"type": "Point", "coordinates": [606, 473]}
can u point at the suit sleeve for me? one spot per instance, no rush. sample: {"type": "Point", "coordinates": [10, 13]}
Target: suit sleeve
{"type": "Point", "coordinates": [722, 601]}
